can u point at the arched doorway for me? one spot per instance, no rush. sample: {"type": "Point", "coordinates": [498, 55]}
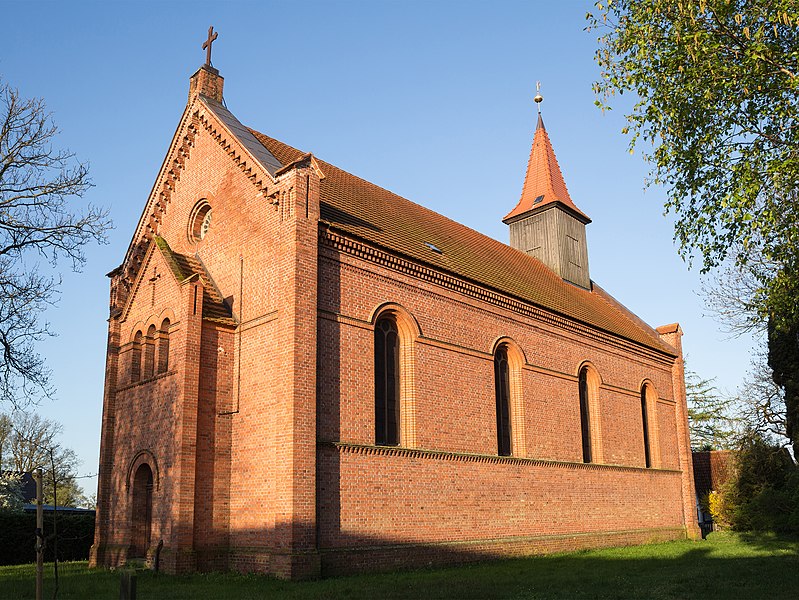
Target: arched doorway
{"type": "Point", "coordinates": [142, 511]}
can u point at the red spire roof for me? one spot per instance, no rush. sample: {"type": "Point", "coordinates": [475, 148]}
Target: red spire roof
{"type": "Point", "coordinates": [543, 183]}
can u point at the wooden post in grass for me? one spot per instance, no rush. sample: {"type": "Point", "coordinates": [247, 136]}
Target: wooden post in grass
{"type": "Point", "coordinates": [127, 585]}
{"type": "Point", "coordinates": [39, 535]}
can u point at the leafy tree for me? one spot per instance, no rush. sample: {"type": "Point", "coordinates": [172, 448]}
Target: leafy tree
{"type": "Point", "coordinates": [37, 185]}
{"type": "Point", "coordinates": [11, 499]}
{"type": "Point", "coordinates": [710, 419]}
{"type": "Point", "coordinates": [33, 443]}
{"type": "Point", "coordinates": [783, 358]}
{"type": "Point", "coordinates": [763, 493]}
{"type": "Point", "coordinates": [716, 87]}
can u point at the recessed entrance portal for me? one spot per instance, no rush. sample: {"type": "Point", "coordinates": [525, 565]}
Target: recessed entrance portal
{"type": "Point", "coordinates": [142, 511]}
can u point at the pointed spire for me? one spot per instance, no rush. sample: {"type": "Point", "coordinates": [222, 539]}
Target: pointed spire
{"type": "Point", "coordinates": [543, 183]}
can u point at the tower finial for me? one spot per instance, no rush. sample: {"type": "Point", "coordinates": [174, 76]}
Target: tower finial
{"type": "Point", "coordinates": [538, 97]}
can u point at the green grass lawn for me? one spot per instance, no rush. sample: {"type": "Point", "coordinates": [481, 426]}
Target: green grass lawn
{"type": "Point", "coordinates": [725, 566]}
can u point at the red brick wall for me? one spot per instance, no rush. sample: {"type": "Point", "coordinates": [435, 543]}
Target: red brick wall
{"type": "Point", "coordinates": [379, 497]}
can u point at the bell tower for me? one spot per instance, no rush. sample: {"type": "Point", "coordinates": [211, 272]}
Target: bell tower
{"type": "Point", "coordinates": [546, 223]}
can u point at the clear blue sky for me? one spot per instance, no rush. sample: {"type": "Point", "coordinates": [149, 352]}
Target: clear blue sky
{"type": "Point", "coordinates": [431, 100]}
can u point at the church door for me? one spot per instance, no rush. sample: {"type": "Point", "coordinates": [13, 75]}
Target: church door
{"type": "Point", "coordinates": [142, 511]}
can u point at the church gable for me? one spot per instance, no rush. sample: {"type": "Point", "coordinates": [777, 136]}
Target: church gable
{"type": "Point", "coordinates": [154, 289]}
{"type": "Point", "coordinates": [238, 156]}
{"type": "Point", "coordinates": [157, 287]}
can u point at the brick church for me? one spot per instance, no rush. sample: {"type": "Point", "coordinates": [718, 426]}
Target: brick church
{"type": "Point", "coordinates": [310, 375]}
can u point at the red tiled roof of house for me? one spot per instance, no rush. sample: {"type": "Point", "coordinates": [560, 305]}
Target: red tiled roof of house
{"type": "Point", "coordinates": [543, 183]}
{"type": "Point", "coordinates": [361, 209]}
{"type": "Point", "coordinates": [712, 469]}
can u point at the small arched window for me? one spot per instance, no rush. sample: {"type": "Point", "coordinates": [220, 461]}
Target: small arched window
{"type": "Point", "coordinates": [163, 347]}
{"type": "Point", "coordinates": [387, 383]}
{"type": "Point", "coordinates": [135, 357]}
{"type": "Point", "coordinates": [149, 353]}
{"type": "Point", "coordinates": [585, 415]}
{"type": "Point", "coordinates": [502, 392]}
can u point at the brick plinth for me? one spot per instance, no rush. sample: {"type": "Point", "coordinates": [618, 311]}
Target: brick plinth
{"type": "Point", "coordinates": [365, 559]}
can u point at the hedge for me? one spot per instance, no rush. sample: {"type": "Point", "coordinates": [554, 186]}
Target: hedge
{"type": "Point", "coordinates": [18, 537]}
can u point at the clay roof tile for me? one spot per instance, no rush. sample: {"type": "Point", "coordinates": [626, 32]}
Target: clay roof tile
{"type": "Point", "coordinates": [363, 210]}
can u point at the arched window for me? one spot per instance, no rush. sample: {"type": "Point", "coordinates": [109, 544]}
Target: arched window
{"type": "Point", "coordinates": [590, 418]}
{"type": "Point", "coordinates": [149, 353]}
{"type": "Point", "coordinates": [387, 383]}
{"type": "Point", "coordinates": [502, 392]}
{"type": "Point", "coordinates": [585, 416]}
{"type": "Point", "coordinates": [649, 423]}
{"type": "Point", "coordinates": [645, 423]}
{"type": "Point", "coordinates": [142, 516]}
{"type": "Point", "coordinates": [163, 347]}
{"type": "Point", "coordinates": [135, 358]}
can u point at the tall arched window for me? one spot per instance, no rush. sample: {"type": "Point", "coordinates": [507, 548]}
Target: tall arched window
{"type": "Point", "coordinates": [502, 392]}
{"type": "Point", "coordinates": [163, 347]}
{"type": "Point", "coordinates": [645, 423]}
{"type": "Point", "coordinates": [387, 383]}
{"type": "Point", "coordinates": [135, 358]}
{"type": "Point", "coordinates": [149, 353]}
{"type": "Point", "coordinates": [585, 415]}
{"type": "Point", "coordinates": [649, 422]}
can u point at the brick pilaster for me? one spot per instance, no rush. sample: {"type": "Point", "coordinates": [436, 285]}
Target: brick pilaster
{"type": "Point", "coordinates": [181, 545]}
{"type": "Point", "coordinates": [295, 363]}
{"type": "Point", "coordinates": [672, 334]}
{"type": "Point", "coordinates": [97, 556]}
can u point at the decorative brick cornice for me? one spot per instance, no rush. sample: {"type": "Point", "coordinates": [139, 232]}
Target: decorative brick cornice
{"type": "Point", "coordinates": [195, 118]}
{"type": "Point", "coordinates": [441, 455]}
{"type": "Point", "coordinates": [161, 195]}
{"type": "Point", "coordinates": [359, 249]}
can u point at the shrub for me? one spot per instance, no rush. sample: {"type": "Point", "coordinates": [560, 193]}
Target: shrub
{"type": "Point", "coordinates": [18, 540]}
{"type": "Point", "coordinates": [763, 493]}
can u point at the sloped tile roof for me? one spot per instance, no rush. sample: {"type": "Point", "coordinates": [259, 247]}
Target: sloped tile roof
{"type": "Point", "coordinates": [375, 215]}
{"type": "Point", "coordinates": [185, 267]}
{"type": "Point", "coordinates": [543, 183]}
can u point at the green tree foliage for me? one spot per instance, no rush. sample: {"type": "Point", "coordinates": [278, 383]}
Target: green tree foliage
{"type": "Point", "coordinates": [33, 442]}
{"type": "Point", "coordinates": [11, 492]}
{"type": "Point", "coordinates": [763, 494]}
{"type": "Point", "coordinates": [717, 101]}
{"type": "Point", "coordinates": [710, 415]}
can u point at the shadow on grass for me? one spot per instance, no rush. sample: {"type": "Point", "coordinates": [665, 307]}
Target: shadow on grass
{"type": "Point", "coordinates": [724, 566]}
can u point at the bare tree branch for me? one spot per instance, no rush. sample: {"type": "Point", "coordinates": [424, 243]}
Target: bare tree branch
{"type": "Point", "coordinates": [38, 222]}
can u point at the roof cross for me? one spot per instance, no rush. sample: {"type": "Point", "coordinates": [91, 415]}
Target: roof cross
{"type": "Point", "coordinates": [207, 44]}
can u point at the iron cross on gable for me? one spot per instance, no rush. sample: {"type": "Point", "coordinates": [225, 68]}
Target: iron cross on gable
{"type": "Point", "coordinates": [207, 44]}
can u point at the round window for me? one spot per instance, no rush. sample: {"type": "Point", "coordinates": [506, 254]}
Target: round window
{"type": "Point", "coordinates": [200, 221]}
